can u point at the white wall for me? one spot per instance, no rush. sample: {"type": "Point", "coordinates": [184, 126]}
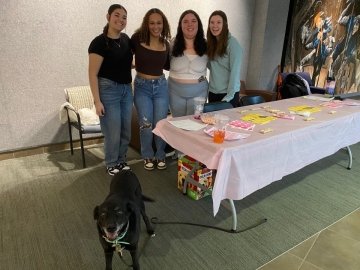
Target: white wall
{"type": "Point", "coordinates": [44, 50]}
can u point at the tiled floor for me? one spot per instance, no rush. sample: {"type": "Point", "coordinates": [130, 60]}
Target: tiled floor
{"type": "Point", "coordinates": [334, 248]}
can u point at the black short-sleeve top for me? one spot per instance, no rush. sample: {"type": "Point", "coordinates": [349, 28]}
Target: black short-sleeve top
{"type": "Point", "coordinates": [117, 54]}
{"type": "Point", "coordinates": [148, 61]}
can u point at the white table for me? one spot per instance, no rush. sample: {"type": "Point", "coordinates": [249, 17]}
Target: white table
{"type": "Point", "coordinates": [244, 166]}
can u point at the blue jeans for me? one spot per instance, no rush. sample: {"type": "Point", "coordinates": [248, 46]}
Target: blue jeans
{"type": "Point", "coordinates": [116, 123]}
{"type": "Point", "coordinates": [151, 100]}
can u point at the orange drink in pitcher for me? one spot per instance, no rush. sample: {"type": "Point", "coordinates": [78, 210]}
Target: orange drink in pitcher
{"type": "Point", "coordinates": [219, 135]}
{"type": "Point", "coordinates": [221, 121]}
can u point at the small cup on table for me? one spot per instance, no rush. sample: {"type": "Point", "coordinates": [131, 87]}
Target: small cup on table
{"type": "Point", "coordinates": [198, 106]}
{"type": "Point", "coordinates": [221, 121]}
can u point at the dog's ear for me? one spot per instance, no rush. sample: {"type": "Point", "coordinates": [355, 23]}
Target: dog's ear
{"type": "Point", "coordinates": [96, 212]}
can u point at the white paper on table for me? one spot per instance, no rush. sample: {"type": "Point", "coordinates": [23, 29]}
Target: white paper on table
{"type": "Point", "coordinates": [188, 124]}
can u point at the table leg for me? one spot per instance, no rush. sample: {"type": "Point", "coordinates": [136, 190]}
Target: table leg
{"type": "Point", "coordinates": [350, 157]}
{"type": "Point", "coordinates": [188, 179]}
{"type": "Point", "coordinates": [234, 216]}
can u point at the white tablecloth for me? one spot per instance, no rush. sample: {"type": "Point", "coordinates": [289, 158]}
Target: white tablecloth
{"type": "Point", "coordinates": [244, 166]}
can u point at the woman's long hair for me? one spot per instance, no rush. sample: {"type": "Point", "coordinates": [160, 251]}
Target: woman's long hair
{"type": "Point", "coordinates": [217, 47]}
{"type": "Point", "coordinates": [199, 42]}
{"type": "Point", "coordinates": [144, 33]}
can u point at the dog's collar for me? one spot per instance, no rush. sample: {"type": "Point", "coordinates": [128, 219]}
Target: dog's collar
{"type": "Point", "coordinates": [117, 241]}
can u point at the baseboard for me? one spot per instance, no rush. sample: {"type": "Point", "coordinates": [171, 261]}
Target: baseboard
{"type": "Point", "coordinates": [50, 148]}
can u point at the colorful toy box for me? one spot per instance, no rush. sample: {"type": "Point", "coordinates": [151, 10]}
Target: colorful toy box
{"type": "Point", "coordinates": [202, 175]}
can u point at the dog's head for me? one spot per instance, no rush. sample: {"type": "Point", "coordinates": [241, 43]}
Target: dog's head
{"type": "Point", "coordinates": [112, 218]}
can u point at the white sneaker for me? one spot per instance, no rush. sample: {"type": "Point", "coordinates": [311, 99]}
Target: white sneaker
{"type": "Point", "coordinates": [148, 164]}
{"type": "Point", "coordinates": [161, 165]}
{"type": "Point", "coordinates": [112, 170]}
{"type": "Point", "coordinates": [123, 166]}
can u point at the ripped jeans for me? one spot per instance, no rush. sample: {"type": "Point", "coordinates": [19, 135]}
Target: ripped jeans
{"type": "Point", "coordinates": [151, 98]}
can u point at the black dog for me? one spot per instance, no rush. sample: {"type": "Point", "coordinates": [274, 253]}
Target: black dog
{"type": "Point", "coordinates": [118, 217]}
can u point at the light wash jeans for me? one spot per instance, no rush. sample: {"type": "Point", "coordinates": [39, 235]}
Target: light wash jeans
{"type": "Point", "coordinates": [116, 123]}
{"type": "Point", "coordinates": [151, 100]}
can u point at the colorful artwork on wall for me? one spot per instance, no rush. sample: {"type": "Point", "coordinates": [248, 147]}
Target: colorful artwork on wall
{"type": "Point", "coordinates": [323, 39]}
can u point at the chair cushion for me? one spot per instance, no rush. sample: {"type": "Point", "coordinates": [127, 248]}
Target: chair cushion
{"type": "Point", "coordinates": [88, 116]}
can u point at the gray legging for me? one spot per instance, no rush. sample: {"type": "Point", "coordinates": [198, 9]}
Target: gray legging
{"type": "Point", "coordinates": [182, 96]}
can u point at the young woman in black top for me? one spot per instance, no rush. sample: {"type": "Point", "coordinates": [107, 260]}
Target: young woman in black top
{"type": "Point", "coordinates": [110, 60]}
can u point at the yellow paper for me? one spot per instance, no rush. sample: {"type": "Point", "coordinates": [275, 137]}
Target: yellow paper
{"type": "Point", "coordinates": [304, 108]}
{"type": "Point", "coordinates": [257, 118]}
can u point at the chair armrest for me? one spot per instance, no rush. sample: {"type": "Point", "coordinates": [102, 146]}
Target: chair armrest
{"type": "Point", "coordinates": [73, 115]}
{"type": "Point", "coordinates": [266, 94]}
{"type": "Point", "coordinates": [317, 90]}
{"type": "Point", "coordinates": [75, 121]}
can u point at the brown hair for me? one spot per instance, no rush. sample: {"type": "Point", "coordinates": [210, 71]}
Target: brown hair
{"type": "Point", "coordinates": [217, 47]}
{"type": "Point", "coordinates": [144, 33]}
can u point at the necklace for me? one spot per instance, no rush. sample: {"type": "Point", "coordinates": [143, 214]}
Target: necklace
{"type": "Point", "coordinates": [117, 43]}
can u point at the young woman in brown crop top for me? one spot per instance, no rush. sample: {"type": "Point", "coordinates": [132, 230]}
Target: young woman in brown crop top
{"type": "Point", "coordinates": [151, 49]}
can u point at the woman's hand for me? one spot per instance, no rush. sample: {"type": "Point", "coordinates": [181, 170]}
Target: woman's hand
{"type": "Point", "coordinates": [100, 110]}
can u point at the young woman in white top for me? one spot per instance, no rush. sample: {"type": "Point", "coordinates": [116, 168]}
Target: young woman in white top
{"type": "Point", "coordinates": [187, 77]}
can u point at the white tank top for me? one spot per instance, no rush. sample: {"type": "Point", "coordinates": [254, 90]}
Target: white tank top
{"type": "Point", "coordinates": [188, 66]}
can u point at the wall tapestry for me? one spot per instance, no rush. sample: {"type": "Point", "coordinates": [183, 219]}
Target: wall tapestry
{"type": "Point", "coordinates": [323, 39]}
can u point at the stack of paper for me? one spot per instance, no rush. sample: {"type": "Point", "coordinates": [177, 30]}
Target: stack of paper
{"type": "Point", "coordinates": [187, 124]}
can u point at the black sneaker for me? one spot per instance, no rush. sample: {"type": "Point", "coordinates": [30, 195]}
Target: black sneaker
{"type": "Point", "coordinates": [112, 170]}
{"type": "Point", "coordinates": [123, 166]}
